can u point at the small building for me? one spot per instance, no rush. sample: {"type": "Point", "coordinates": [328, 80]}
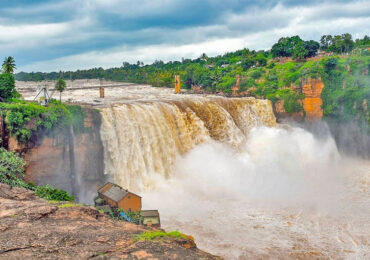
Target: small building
{"type": "Point", "coordinates": [150, 218]}
{"type": "Point", "coordinates": [117, 197]}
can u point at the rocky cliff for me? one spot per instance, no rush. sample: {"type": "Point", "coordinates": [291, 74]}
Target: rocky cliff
{"type": "Point", "coordinates": [32, 228]}
{"type": "Point", "coordinates": [68, 160]}
{"type": "Point", "coordinates": [312, 89]}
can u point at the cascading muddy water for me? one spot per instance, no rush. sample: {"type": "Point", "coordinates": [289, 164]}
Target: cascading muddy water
{"type": "Point", "coordinates": [142, 140]}
{"type": "Point", "coordinates": [220, 170]}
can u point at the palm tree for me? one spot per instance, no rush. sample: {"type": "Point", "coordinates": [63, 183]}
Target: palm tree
{"type": "Point", "coordinates": [9, 65]}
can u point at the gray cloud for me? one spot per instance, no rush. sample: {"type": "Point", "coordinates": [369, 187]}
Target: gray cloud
{"type": "Point", "coordinates": [46, 35]}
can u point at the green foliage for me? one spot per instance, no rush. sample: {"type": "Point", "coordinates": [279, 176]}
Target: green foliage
{"type": "Point", "coordinates": [60, 86]}
{"type": "Point", "coordinates": [294, 47]}
{"type": "Point", "coordinates": [11, 168]}
{"type": "Point", "coordinates": [50, 193]}
{"type": "Point", "coordinates": [12, 173]}
{"type": "Point", "coordinates": [299, 51]}
{"type": "Point", "coordinates": [27, 118]}
{"type": "Point", "coordinates": [291, 104]}
{"type": "Point", "coordinates": [150, 235]}
{"type": "Point", "coordinates": [7, 86]}
{"type": "Point", "coordinates": [365, 42]}
{"type": "Point", "coordinates": [285, 46]}
{"type": "Point", "coordinates": [339, 43]}
{"type": "Point", "coordinates": [134, 215]}
{"type": "Point", "coordinates": [346, 91]}
{"type": "Point", "coordinates": [9, 65]}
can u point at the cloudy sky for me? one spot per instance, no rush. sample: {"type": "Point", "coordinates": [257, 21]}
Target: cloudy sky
{"type": "Point", "coordinates": [51, 35]}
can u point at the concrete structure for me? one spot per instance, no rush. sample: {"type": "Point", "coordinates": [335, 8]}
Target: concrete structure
{"type": "Point", "coordinates": [117, 197]}
{"type": "Point", "coordinates": [150, 218]}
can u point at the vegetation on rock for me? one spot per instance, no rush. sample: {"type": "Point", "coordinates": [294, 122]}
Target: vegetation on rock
{"type": "Point", "coordinates": [12, 173]}
{"type": "Point", "coordinates": [150, 235]}
{"type": "Point", "coordinates": [11, 169]}
{"type": "Point", "coordinates": [25, 119]}
{"type": "Point", "coordinates": [50, 193]}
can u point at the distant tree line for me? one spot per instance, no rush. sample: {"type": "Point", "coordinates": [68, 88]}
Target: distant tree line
{"type": "Point", "coordinates": [215, 73]}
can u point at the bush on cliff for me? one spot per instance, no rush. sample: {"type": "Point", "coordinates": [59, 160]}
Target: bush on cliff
{"type": "Point", "coordinates": [7, 86]}
{"type": "Point", "coordinates": [12, 173]}
{"type": "Point", "coordinates": [24, 119]}
{"type": "Point", "coordinates": [11, 169]}
{"type": "Point", "coordinates": [50, 193]}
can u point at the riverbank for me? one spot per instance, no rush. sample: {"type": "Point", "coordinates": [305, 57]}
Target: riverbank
{"type": "Point", "coordinates": [34, 228]}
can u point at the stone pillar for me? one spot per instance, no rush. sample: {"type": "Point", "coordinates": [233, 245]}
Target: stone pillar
{"type": "Point", "coordinates": [101, 92]}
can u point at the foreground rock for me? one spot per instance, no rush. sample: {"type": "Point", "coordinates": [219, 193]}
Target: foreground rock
{"type": "Point", "coordinates": [32, 228]}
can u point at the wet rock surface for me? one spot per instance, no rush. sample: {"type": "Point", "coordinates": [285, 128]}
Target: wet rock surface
{"type": "Point", "coordinates": [33, 228]}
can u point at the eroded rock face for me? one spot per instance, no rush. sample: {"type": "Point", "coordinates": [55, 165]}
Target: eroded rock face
{"type": "Point", "coordinates": [32, 228]}
{"type": "Point", "coordinates": [312, 90]}
{"type": "Point", "coordinates": [70, 161]}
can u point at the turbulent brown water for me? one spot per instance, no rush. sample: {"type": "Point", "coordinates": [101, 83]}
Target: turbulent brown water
{"type": "Point", "coordinates": [222, 170]}
{"type": "Point", "coordinates": [143, 140]}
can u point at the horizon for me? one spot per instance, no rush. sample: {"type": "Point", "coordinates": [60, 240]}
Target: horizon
{"type": "Point", "coordinates": [43, 37]}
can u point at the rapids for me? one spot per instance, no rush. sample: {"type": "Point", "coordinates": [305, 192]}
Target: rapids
{"type": "Point", "coordinates": [222, 170]}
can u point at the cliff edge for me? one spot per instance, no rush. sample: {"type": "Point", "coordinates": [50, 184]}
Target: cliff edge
{"type": "Point", "coordinates": [33, 228]}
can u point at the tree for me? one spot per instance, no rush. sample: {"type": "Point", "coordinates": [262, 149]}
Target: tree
{"type": "Point", "coordinates": [311, 47]}
{"type": "Point", "coordinates": [60, 86]}
{"type": "Point", "coordinates": [299, 52]}
{"type": "Point", "coordinates": [348, 43]}
{"type": "Point", "coordinates": [325, 42]}
{"type": "Point", "coordinates": [363, 42]}
{"type": "Point", "coordinates": [7, 86]}
{"type": "Point", "coordinates": [285, 46]}
{"type": "Point", "coordinates": [9, 65]}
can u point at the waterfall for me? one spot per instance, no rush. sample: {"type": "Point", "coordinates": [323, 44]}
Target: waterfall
{"type": "Point", "coordinates": [143, 139]}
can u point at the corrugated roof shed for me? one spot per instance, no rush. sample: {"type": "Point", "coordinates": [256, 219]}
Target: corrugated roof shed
{"type": "Point", "coordinates": [115, 193]}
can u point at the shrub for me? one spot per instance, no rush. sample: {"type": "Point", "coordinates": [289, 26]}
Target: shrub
{"type": "Point", "coordinates": [50, 193]}
{"type": "Point", "coordinates": [135, 216]}
{"type": "Point", "coordinates": [11, 169]}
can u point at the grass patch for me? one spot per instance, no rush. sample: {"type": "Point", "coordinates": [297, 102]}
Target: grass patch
{"type": "Point", "coordinates": [69, 205]}
{"type": "Point", "coordinates": [150, 235]}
